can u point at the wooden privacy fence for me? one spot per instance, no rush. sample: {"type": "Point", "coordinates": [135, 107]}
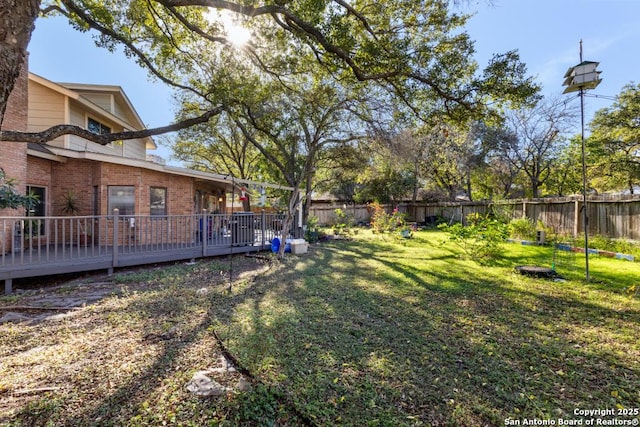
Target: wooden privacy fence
{"type": "Point", "coordinates": [610, 217]}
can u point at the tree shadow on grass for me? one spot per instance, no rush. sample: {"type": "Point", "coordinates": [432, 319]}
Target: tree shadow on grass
{"type": "Point", "coordinates": [150, 339]}
{"type": "Point", "coordinates": [354, 348]}
{"type": "Point", "coordinates": [357, 334]}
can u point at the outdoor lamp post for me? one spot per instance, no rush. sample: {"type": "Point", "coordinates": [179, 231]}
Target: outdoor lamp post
{"type": "Point", "coordinates": [578, 79]}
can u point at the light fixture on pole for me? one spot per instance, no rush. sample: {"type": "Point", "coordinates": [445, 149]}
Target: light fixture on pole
{"type": "Point", "coordinates": [578, 79]}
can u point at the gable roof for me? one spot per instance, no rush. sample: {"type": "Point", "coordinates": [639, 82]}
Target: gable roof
{"type": "Point", "coordinates": [79, 91]}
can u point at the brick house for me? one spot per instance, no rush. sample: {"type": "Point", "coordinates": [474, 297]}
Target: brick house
{"type": "Point", "coordinates": [161, 209]}
{"type": "Point", "coordinates": [120, 174]}
{"type": "Point", "coordinates": [98, 178]}
{"type": "Point", "coordinates": [101, 178]}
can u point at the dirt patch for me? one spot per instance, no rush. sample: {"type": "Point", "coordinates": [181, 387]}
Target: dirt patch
{"type": "Point", "coordinates": [58, 297]}
{"type": "Point", "coordinates": [107, 348]}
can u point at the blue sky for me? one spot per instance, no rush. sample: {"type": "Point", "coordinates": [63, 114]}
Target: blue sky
{"type": "Point", "coordinates": [545, 32]}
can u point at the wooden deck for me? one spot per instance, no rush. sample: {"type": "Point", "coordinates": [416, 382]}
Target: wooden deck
{"type": "Point", "coordinates": [60, 244]}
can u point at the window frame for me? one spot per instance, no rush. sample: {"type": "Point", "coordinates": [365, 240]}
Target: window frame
{"type": "Point", "coordinates": [151, 200]}
{"type": "Point", "coordinates": [42, 207]}
{"type": "Point", "coordinates": [104, 129]}
{"type": "Point", "coordinates": [123, 208]}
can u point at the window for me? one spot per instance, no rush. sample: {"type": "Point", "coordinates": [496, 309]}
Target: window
{"type": "Point", "coordinates": [158, 201]}
{"type": "Point", "coordinates": [123, 198]}
{"type": "Point", "coordinates": [38, 208]}
{"type": "Point", "coordinates": [36, 227]}
{"type": "Point", "coordinates": [97, 127]}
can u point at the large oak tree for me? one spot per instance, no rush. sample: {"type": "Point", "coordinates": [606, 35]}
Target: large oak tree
{"type": "Point", "coordinates": [413, 51]}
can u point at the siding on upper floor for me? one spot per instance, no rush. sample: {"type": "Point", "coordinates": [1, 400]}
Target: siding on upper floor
{"type": "Point", "coordinates": [46, 109]}
{"type": "Point", "coordinates": [103, 100]}
{"type": "Point", "coordinates": [131, 149]}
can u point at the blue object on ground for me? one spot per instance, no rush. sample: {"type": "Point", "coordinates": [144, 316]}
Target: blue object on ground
{"type": "Point", "coordinates": [275, 245]}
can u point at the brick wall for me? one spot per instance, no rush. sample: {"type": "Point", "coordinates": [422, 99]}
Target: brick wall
{"type": "Point", "coordinates": [13, 155]}
{"type": "Point", "coordinates": [179, 188]}
{"type": "Point", "coordinates": [81, 176]}
{"type": "Point", "coordinates": [39, 175]}
{"type": "Point", "coordinates": [74, 176]}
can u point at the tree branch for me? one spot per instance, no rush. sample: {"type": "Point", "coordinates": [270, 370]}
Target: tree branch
{"type": "Point", "coordinates": [60, 130]}
{"type": "Point", "coordinates": [80, 13]}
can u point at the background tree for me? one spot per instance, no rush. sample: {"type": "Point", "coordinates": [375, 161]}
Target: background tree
{"type": "Point", "coordinates": [496, 177]}
{"type": "Point", "coordinates": [535, 139]}
{"type": "Point", "coordinates": [293, 125]}
{"type": "Point", "coordinates": [218, 146]}
{"type": "Point", "coordinates": [447, 157]}
{"type": "Point", "coordinates": [566, 175]}
{"type": "Point", "coordinates": [338, 171]}
{"type": "Point", "coordinates": [614, 143]}
{"type": "Point", "coordinates": [384, 180]}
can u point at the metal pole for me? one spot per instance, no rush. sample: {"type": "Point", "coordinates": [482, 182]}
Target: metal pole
{"type": "Point", "coordinates": [232, 232]}
{"type": "Point", "coordinates": [584, 190]}
{"type": "Point", "coordinates": [585, 216]}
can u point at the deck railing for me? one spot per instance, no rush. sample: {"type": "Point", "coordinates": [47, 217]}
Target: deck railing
{"type": "Point", "coordinates": [36, 246]}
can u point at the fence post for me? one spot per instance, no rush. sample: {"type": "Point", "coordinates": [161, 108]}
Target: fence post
{"type": "Point", "coordinates": [205, 232]}
{"type": "Point", "coordinates": [116, 225]}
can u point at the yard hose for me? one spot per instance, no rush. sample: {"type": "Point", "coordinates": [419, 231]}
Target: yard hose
{"type": "Point", "coordinates": [281, 396]}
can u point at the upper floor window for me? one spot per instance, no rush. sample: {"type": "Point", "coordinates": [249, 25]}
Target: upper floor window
{"type": "Point", "coordinates": [97, 127]}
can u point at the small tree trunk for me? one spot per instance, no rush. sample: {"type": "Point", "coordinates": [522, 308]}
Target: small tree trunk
{"type": "Point", "coordinates": [288, 219]}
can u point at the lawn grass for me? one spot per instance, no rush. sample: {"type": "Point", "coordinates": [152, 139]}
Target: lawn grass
{"type": "Point", "coordinates": [372, 331]}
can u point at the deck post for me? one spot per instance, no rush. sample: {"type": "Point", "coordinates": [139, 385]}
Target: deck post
{"type": "Point", "coordinates": [116, 224]}
{"type": "Point", "coordinates": [7, 286]}
{"type": "Point", "coordinates": [263, 227]}
{"type": "Point", "coordinates": [205, 232]}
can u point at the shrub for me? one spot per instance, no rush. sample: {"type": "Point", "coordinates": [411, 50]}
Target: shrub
{"type": "Point", "coordinates": [613, 245]}
{"type": "Point", "coordinates": [311, 233]}
{"type": "Point", "coordinates": [342, 221]}
{"type": "Point", "coordinates": [480, 239]}
{"type": "Point", "coordinates": [522, 228]}
{"type": "Point", "coordinates": [11, 198]}
{"type": "Point", "coordinates": [379, 218]}
{"type": "Point", "coordinates": [382, 222]}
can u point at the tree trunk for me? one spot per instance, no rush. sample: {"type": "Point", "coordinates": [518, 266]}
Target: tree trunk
{"type": "Point", "coordinates": [288, 219]}
{"type": "Point", "coordinates": [17, 22]}
{"type": "Point", "coordinates": [307, 199]}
